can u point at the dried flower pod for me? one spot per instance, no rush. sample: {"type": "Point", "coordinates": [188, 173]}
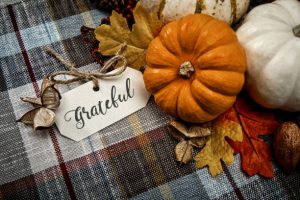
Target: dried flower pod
{"type": "Point", "coordinates": [287, 145]}
{"type": "Point", "coordinates": [50, 95]}
{"type": "Point", "coordinates": [43, 115]}
{"type": "Point", "coordinates": [188, 137]}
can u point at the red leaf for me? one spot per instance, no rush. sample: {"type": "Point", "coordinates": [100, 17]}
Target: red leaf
{"type": "Point", "coordinates": [255, 121]}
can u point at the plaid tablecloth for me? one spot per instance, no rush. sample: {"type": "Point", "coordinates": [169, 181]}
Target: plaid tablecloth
{"type": "Point", "coordinates": [133, 158]}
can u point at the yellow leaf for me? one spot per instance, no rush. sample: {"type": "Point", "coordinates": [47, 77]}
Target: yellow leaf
{"type": "Point", "coordinates": [112, 37]}
{"type": "Point", "coordinates": [217, 148]}
{"type": "Point", "coordinates": [146, 28]}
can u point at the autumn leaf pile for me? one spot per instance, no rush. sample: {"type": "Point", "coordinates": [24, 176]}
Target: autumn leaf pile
{"type": "Point", "coordinates": [236, 131]}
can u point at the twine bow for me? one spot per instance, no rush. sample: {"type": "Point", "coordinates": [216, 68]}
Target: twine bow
{"type": "Point", "coordinates": [43, 115]}
{"type": "Point", "coordinates": [89, 75]}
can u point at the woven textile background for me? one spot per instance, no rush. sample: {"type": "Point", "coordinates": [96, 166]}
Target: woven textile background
{"type": "Point", "coordinates": [133, 158]}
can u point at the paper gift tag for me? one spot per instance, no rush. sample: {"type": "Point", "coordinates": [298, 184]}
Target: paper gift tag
{"type": "Point", "coordinates": [83, 111]}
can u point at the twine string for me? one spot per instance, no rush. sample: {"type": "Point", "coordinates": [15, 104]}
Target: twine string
{"type": "Point", "coordinates": [88, 75]}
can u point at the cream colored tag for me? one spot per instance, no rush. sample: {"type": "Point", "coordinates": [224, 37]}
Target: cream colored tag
{"type": "Point", "coordinates": [83, 111]}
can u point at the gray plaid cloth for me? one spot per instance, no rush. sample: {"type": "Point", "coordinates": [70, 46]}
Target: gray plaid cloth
{"type": "Point", "coordinates": [133, 158]}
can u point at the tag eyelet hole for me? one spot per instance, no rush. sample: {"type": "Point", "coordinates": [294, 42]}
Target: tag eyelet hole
{"type": "Point", "coordinates": [96, 88]}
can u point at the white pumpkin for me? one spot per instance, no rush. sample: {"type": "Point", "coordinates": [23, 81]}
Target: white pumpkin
{"type": "Point", "coordinates": [270, 35]}
{"type": "Point", "coordinates": [229, 11]}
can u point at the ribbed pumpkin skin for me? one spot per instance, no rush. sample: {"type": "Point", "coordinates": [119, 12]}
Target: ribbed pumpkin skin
{"type": "Point", "coordinates": [217, 57]}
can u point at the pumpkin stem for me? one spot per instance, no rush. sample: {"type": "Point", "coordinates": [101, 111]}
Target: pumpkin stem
{"type": "Point", "coordinates": [296, 31]}
{"type": "Point", "coordinates": [186, 69]}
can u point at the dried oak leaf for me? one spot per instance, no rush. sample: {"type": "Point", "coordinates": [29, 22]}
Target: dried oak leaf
{"type": "Point", "coordinates": [43, 115]}
{"type": "Point", "coordinates": [147, 26]}
{"type": "Point", "coordinates": [217, 148]}
{"type": "Point", "coordinates": [188, 137]}
{"type": "Point", "coordinates": [255, 121]}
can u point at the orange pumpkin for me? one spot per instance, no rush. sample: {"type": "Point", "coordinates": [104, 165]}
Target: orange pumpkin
{"type": "Point", "coordinates": [195, 68]}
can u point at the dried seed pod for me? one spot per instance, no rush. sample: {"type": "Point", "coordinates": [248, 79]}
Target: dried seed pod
{"type": "Point", "coordinates": [287, 145]}
{"type": "Point", "coordinates": [184, 152]}
{"type": "Point", "coordinates": [188, 137]}
{"type": "Point", "coordinates": [43, 116]}
{"type": "Point", "coordinates": [50, 95]}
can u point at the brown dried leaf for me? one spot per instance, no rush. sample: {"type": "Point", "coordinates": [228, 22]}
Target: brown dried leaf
{"type": "Point", "coordinates": [196, 136]}
{"type": "Point", "coordinates": [28, 117]}
{"type": "Point", "coordinates": [36, 102]}
{"type": "Point", "coordinates": [179, 126]}
{"type": "Point", "coordinates": [198, 131]}
{"type": "Point", "coordinates": [46, 83]}
{"type": "Point", "coordinates": [184, 152]}
{"type": "Point", "coordinates": [198, 142]}
{"type": "Point", "coordinates": [50, 95]}
{"type": "Point", "coordinates": [51, 98]}
{"type": "Point", "coordinates": [39, 118]}
{"type": "Point", "coordinates": [43, 118]}
{"type": "Point", "coordinates": [175, 130]}
{"type": "Point", "coordinates": [193, 132]}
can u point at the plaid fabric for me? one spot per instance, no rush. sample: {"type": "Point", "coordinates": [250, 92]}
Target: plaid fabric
{"type": "Point", "coordinates": [133, 158]}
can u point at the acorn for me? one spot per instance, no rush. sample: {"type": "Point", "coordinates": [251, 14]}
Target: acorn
{"type": "Point", "coordinates": [286, 146]}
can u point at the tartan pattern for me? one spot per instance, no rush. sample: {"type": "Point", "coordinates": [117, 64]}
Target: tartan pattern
{"type": "Point", "coordinates": [133, 158]}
